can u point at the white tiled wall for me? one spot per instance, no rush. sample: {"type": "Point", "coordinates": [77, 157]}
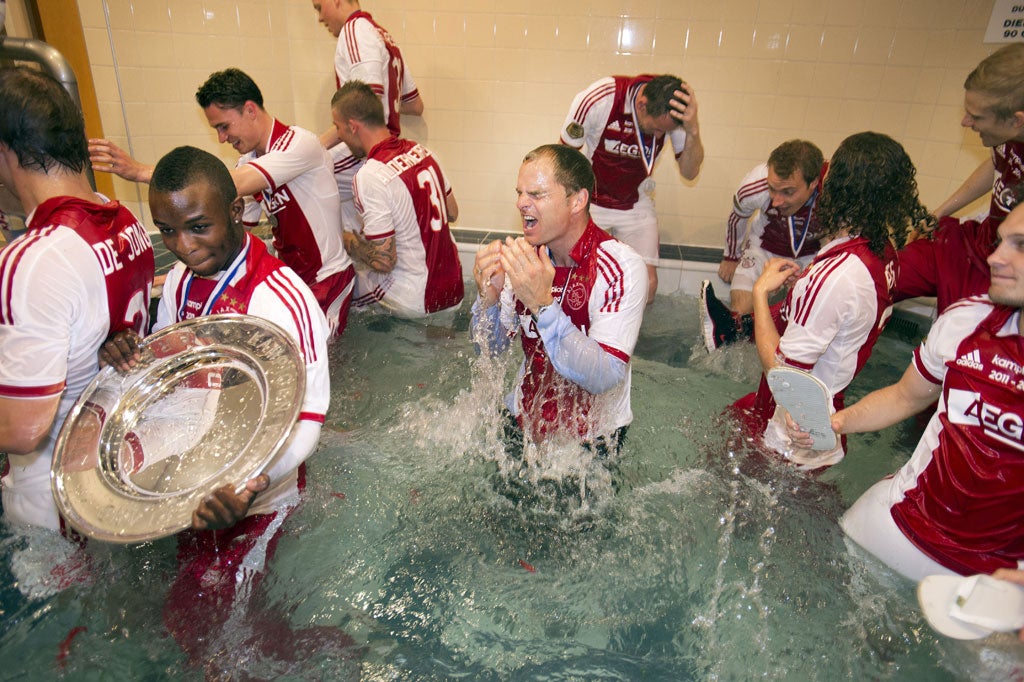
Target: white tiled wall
{"type": "Point", "coordinates": [497, 79]}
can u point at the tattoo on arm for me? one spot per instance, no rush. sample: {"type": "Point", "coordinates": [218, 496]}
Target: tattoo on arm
{"type": "Point", "coordinates": [379, 255]}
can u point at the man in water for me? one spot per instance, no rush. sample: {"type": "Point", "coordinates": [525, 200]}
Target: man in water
{"type": "Point", "coordinates": [289, 176]}
{"type": "Point", "coordinates": [836, 309]}
{"type": "Point", "coordinates": [954, 507]}
{"type": "Point", "coordinates": [81, 272]}
{"type": "Point", "coordinates": [576, 297]}
{"type": "Point", "coordinates": [776, 202]}
{"type": "Point", "coordinates": [224, 269]}
{"type": "Point", "coordinates": [407, 260]}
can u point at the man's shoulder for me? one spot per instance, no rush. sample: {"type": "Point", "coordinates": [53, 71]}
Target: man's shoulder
{"type": "Point", "coordinates": [296, 140]}
{"type": "Point", "coordinates": [49, 248]}
{"type": "Point", "coordinates": [361, 28]}
{"type": "Point", "coordinates": [393, 157]}
{"type": "Point", "coordinates": [602, 86]}
{"type": "Point", "coordinates": [623, 257]}
{"type": "Point", "coordinates": [754, 184]}
{"type": "Point", "coordinates": [967, 313]}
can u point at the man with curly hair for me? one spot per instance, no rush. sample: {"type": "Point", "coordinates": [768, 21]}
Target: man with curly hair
{"type": "Point", "coordinates": [951, 263]}
{"type": "Point", "coordinates": [836, 309]}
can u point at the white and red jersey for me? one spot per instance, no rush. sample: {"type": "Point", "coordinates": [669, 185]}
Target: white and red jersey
{"type": "Point", "coordinates": [81, 272]}
{"type": "Point", "coordinates": [346, 165]}
{"type": "Point", "coordinates": [829, 322]}
{"type": "Point", "coordinates": [256, 283]}
{"type": "Point", "coordinates": [301, 201]}
{"type": "Point", "coordinates": [400, 192]}
{"type": "Point", "coordinates": [604, 295]}
{"type": "Point", "coordinates": [958, 499]}
{"type": "Point", "coordinates": [1008, 159]}
{"type": "Point", "coordinates": [602, 122]}
{"type": "Point", "coordinates": [837, 309]}
{"type": "Point", "coordinates": [789, 237]}
{"type": "Point", "coordinates": [366, 52]}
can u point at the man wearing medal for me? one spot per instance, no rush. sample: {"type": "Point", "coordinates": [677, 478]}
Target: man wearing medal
{"type": "Point", "coordinates": [576, 297]}
{"type": "Point", "coordinates": [284, 173]}
{"type": "Point", "coordinates": [621, 124]}
{"type": "Point", "coordinates": [776, 201]}
{"type": "Point", "coordinates": [223, 269]}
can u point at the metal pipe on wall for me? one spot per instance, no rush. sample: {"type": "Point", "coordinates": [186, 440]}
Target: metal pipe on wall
{"type": "Point", "coordinates": [52, 61]}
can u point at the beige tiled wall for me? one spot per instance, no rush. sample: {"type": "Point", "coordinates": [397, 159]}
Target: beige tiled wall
{"type": "Point", "coordinates": [497, 78]}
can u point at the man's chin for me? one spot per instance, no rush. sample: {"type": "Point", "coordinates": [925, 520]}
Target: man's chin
{"type": "Point", "coordinates": [1004, 298]}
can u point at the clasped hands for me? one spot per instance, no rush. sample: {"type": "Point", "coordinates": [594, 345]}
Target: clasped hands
{"type": "Point", "coordinates": [529, 271]}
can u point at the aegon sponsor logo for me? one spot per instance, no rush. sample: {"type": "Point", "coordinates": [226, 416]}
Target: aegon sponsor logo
{"type": "Point", "coordinates": [968, 408]}
{"type": "Point", "coordinates": [274, 202]}
{"type": "Point", "coordinates": [622, 148]}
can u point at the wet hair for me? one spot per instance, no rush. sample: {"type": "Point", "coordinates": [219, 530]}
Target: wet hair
{"type": "Point", "coordinates": [797, 155]}
{"type": "Point", "coordinates": [229, 89]}
{"type": "Point", "coordinates": [1001, 77]}
{"type": "Point", "coordinates": [572, 169]}
{"type": "Point", "coordinates": [40, 122]}
{"type": "Point", "coordinates": [355, 99]}
{"type": "Point", "coordinates": [658, 92]}
{"type": "Point", "coordinates": [185, 166]}
{"type": "Point", "coordinates": [870, 191]}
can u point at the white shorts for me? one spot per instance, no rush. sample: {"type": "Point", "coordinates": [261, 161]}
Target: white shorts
{"type": "Point", "coordinates": [752, 263]}
{"type": "Point", "coordinates": [637, 227]}
{"type": "Point", "coordinates": [869, 523]}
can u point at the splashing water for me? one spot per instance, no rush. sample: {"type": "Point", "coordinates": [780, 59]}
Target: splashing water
{"type": "Point", "coordinates": [690, 557]}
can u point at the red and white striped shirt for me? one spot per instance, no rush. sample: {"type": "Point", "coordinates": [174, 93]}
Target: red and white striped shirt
{"type": "Point", "coordinates": [366, 52]}
{"type": "Point", "coordinates": [301, 201]}
{"type": "Point", "coordinates": [81, 272]}
{"type": "Point", "coordinates": [400, 192]}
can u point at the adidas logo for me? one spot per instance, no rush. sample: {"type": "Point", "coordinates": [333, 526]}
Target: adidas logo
{"type": "Point", "coordinates": [971, 360]}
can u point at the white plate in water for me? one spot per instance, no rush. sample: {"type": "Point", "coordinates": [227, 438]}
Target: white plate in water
{"type": "Point", "coordinates": [211, 404]}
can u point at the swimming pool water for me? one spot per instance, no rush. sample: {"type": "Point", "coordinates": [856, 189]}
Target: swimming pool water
{"type": "Point", "coordinates": [698, 559]}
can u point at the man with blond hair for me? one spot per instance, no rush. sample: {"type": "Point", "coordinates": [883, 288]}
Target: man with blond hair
{"type": "Point", "coordinates": [951, 263]}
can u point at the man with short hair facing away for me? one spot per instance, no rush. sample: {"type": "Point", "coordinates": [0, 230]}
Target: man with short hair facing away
{"type": "Point", "coordinates": [366, 52]}
{"type": "Point", "coordinates": [284, 172]}
{"type": "Point", "coordinates": [574, 295]}
{"type": "Point", "coordinates": [407, 260]}
{"type": "Point", "coordinates": [223, 269]}
{"type": "Point", "coordinates": [954, 507]}
{"type": "Point", "coordinates": [776, 202]}
{"type": "Point", "coordinates": [81, 272]}
{"type": "Point", "coordinates": [622, 123]}
{"type": "Point", "coordinates": [951, 262]}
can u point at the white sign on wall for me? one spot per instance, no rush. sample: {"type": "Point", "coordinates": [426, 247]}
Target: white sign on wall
{"type": "Point", "coordinates": [1007, 22]}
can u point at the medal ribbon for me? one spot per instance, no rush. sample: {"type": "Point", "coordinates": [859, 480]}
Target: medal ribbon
{"type": "Point", "coordinates": [218, 290]}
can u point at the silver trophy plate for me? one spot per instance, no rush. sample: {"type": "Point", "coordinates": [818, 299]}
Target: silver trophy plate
{"type": "Point", "coordinates": [211, 404]}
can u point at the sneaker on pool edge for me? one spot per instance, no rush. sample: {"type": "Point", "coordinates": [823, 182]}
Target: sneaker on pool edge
{"type": "Point", "coordinates": [718, 325]}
